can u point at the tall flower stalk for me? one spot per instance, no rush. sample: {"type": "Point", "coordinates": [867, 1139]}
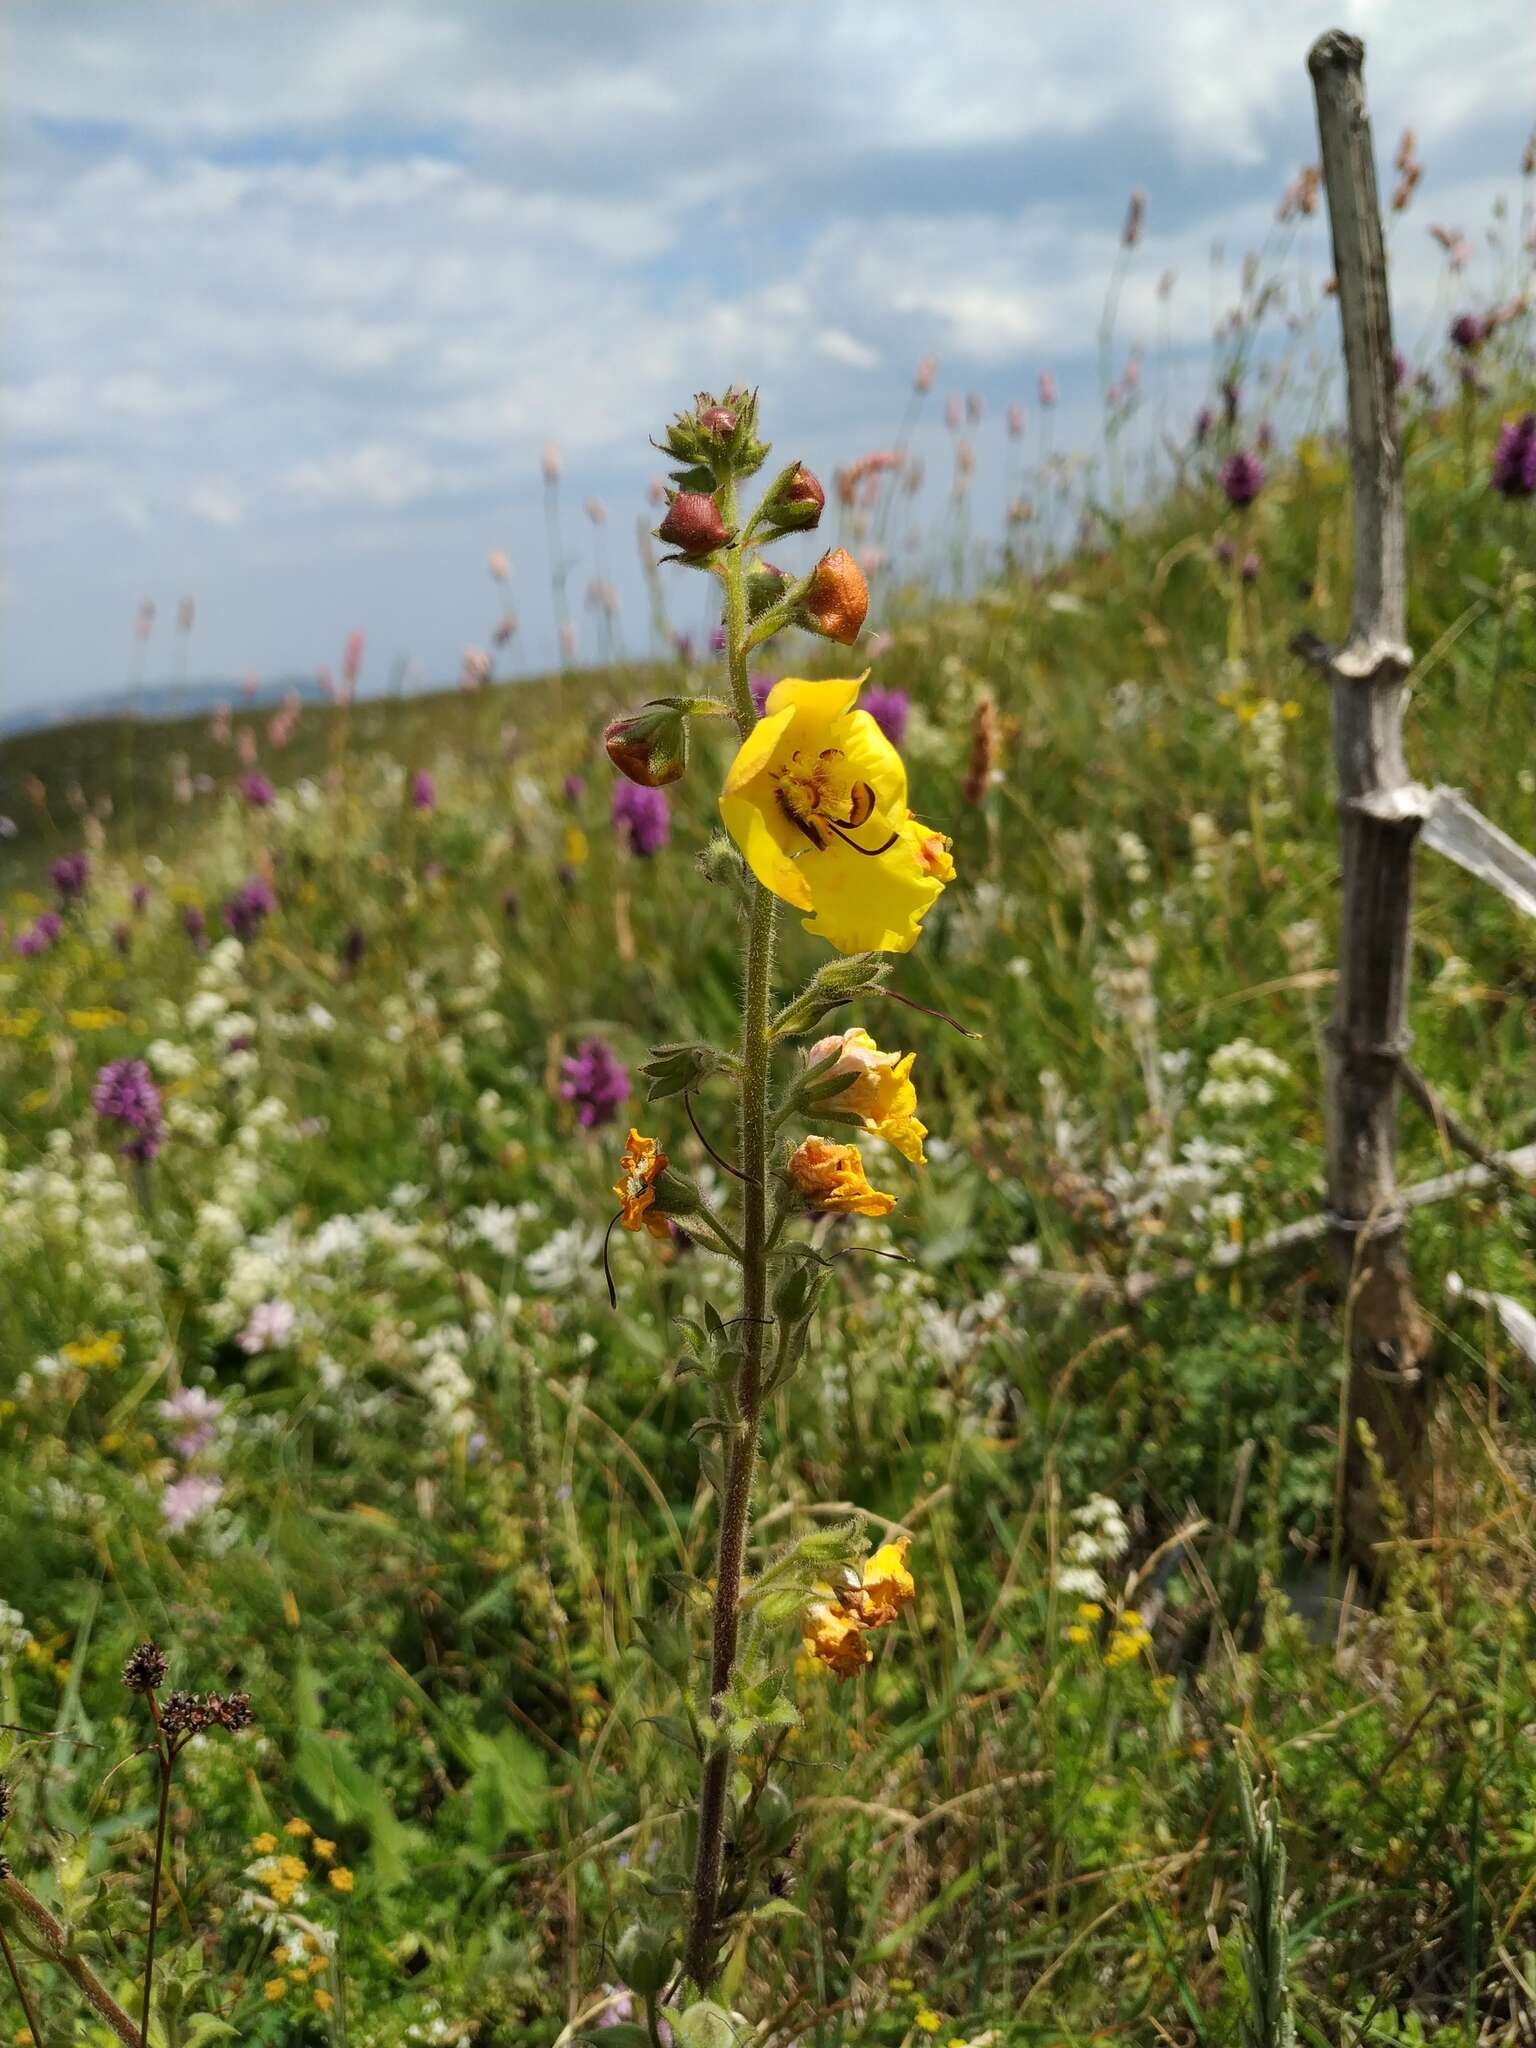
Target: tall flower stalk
{"type": "Point", "coordinates": [815, 801]}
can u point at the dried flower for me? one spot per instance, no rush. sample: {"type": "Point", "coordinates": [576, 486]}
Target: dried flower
{"type": "Point", "coordinates": [831, 1178]}
{"type": "Point", "coordinates": [642, 1165]}
{"type": "Point", "coordinates": [145, 1668]}
{"type": "Point", "coordinates": [982, 764]}
{"type": "Point", "coordinates": [1135, 219]}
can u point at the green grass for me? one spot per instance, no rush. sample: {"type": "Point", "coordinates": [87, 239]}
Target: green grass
{"type": "Point", "coordinates": [999, 1826]}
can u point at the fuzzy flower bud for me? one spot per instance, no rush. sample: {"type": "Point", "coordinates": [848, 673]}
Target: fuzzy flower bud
{"type": "Point", "coordinates": [837, 601]}
{"type": "Point", "coordinates": [794, 500]}
{"type": "Point", "coordinates": [693, 526]}
{"type": "Point", "coordinates": [145, 1668]}
{"type": "Point", "coordinates": [650, 746]}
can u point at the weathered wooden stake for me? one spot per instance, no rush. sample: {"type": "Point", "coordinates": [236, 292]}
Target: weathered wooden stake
{"type": "Point", "coordinates": [1380, 813]}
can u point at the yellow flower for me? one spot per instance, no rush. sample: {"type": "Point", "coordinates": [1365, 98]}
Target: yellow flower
{"type": "Point", "coordinates": [576, 847]}
{"type": "Point", "coordinates": [834, 1638]}
{"type": "Point", "coordinates": [263, 1844]}
{"type": "Point", "coordinates": [86, 1352]}
{"type": "Point", "coordinates": [887, 1585]}
{"type": "Point", "coordinates": [1089, 1610]}
{"type": "Point", "coordinates": [298, 1827]}
{"type": "Point", "coordinates": [341, 1878]}
{"type": "Point", "coordinates": [928, 2022]}
{"type": "Point", "coordinates": [293, 1868]}
{"type": "Point", "coordinates": [1078, 1634]}
{"type": "Point", "coordinates": [274, 1989]}
{"type": "Point", "coordinates": [323, 1849]}
{"type": "Point", "coordinates": [879, 1089]}
{"type": "Point", "coordinates": [641, 1166]}
{"type": "Point", "coordinates": [280, 1954]}
{"type": "Point", "coordinates": [816, 799]}
{"type": "Point", "coordinates": [324, 2000]}
{"type": "Point", "coordinates": [21, 1025]}
{"type": "Point", "coordinates": [832, 1177]}
{"type": "Point", "coordinates": [94, 1020]}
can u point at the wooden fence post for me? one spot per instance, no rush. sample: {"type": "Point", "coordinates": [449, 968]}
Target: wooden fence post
{"type": "Point", "coordinates": [1380, 813]}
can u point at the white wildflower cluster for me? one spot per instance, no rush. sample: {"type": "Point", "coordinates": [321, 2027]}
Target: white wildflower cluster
{"type": "Point", "coordinates": [76, 1213]}
{"type": "Point", "coordinates": [1125, 989]}
{"type": "Point", "coordinates": [1303, 945]}
{"type": "Point", "coordinates": [566, 1261]}
{"type": "Point", "coordinates": [1098, 1541]}
{"type": "Point", "coordinates": [1134, 859]}
{"type": "Point", "coordinates": [1241, 1076]}
{"type": "Point", "coordinates": [1455, 982]}
{"type": "Point", "coordinates": [953, 1336]}
{"type": "Point", "coordinates": [442, 1378]}
{"type": "Point", "coordinates": [498, 1225]}
{"type": "Point", "coordinates": [1173, 1190]}
{"type": "Point", "coordinates": [14, 1634]}
{"type": "Point", "coordinates": [1131, 704]}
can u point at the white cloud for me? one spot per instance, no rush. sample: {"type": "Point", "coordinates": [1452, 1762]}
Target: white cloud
{"type": "Point", "coordinates": [376, 474]}
{"type": "Point", "coordinates": [839, 346]}
{"type": "Point", "coordinates": [216, 501]}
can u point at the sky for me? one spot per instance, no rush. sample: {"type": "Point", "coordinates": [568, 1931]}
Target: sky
{"type": "Point", "coordinates": [293, 295]}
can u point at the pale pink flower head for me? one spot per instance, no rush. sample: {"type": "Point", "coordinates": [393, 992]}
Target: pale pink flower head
{"type": "Point", "coordinates": [186, 612]}
{"type": "Point", "coordinates": [505, 627]}
{"type": "Point", "coordinates": [568, 643]}
{"type": "Point", "coordinates": [145, 624]}
{"type": "Point", "coordinates": [975, 406]}
{"type": "Point", "coordinates": [327, 682]}
{"type": "Point", "coordinates": [1132, 375]}
{"type": "Point", "coordinates": [856, 1051]}
{"type": "Point", "coordinates": [1016, 422]}
{"type": "Point", "coordinates": [549, 462]}
{"type": "Point", "coordinates": [954, 413]}
{"type": "Point", "coordinates": [656, 491]}
{"type": "Point", "coordinates": [250, 683]}
{"type": "Point", "coordinates": [245, 746]}
{"type": "Point", "coordinates": [196, 1414]}
{"type": "Point", "coordinates": [188, 1500]}
{"type": "Point", "coordinates": [352, 659]}
{"type": "Point", "coordinates": [499, 563]}
{"type": "Point", "coordinates": [218, 726]}
{"type": "Point", "coordinates": [924, 374]}
{"type": "Point", "coordinates": [268, 1328]}
{"type": "Point", "coordinates": [1135, 218]}
{"type": "Point", "coordinates": [474, 668]}
{"type": "Point", "coordinates": [597, 512]}
{"type": "Point", "coordinates": [1048, 391]}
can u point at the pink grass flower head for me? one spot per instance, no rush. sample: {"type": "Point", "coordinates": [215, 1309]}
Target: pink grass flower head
{"type": "Point", "coordinates": [352, 660]}
{"type": "Point", "coordinates": [188, 1499]}
{"type": "Point", "coordinates": [125, 1093]}
{"type": "Point", "coordinates": [549, 463]}
{"type": "Point", "coordinates": [1242, 478]}
{"type": "Point", "coordinates": [595, 1082]}
{"type": "Point", "coordinates": [258, 791]}
{"type": "Point", "coordinates": [1135, 218]}
{"type": "Point", "coordinates": [269, 1327]}
{"type": "Point", "coordinates": [924, 374]}
{"type": "Point", "coordinates": [1016, 422]}
{"type": "Point", "coordinates": [643, 816]}
{"type": "Point", "coordinates": [1049, 394]}
{"type": "Point", "coordinates": [1514, 458]}
{"type": "Point", "coordinates": [144, 625]}
{"type": "Point", "coordinates": [423, 791]}
{"type": "Point", "coordinates": [186, 612]}
{"type": "Point", "coordinates": [474, 668]}
{"type": "Point", "coordinates": [499, 564]}
{"type": "Point", "coordinates": [196, 1414]}
{"type": "Point", "coordinates": [954, 414]}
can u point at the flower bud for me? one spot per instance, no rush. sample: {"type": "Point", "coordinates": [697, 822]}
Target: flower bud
{"type": "Point", "coordinates": [793, 501]}
{"type": "Point", "coordinates": [837, 600]}
{"type": "Point", "coordinates": [676, 1194]}
{"type": "Point", "coordinates": [719, 861]}
{"type": "Point", "coordinates": [718, 420]}
{"type": "Point", "coordinates": [650, 746]}
{"type": "Point", "coordinates": [678, 1069]}
{"type": "Point", "coordinates": [644, 1958]}
{"type": "Point", "coordinates": [693, 526]}
{"type": "Point", "coordinates": [765, 586]}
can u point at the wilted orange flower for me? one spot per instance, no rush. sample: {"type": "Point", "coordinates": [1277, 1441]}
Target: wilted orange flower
{"type": "Point", "coordinates": [834, 1638]}
{"type": "Point", "coordinates": [640, 1168]}
{"type": "Point", "coordinates": [832, 1177]}
{"type": "Point", "coordinates": [879, 1089]}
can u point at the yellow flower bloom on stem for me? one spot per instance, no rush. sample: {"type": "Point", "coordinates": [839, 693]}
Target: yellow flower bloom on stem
{"type": "Point", "coordinates": [816, 799]}
{"type": "Point", "coordinates": [888, 1586]}
{"type": "Point", "coordinates": [834, 1638]}
{"type": "Point", "coordinates": [832, 1177]}
{"type": "Point", "coordinates": [341, 1879]}
{"type": "Point", "coordinates": [640, 1168]}
{"type": "Point", "coordinates": [879, 1089]}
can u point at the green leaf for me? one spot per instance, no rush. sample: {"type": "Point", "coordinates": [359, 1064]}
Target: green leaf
{"type": "Point", "coordinates": [505, 1791]}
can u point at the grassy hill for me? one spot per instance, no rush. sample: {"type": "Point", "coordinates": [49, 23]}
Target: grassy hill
{"type": "Point", "coordinates": [328, 1397]}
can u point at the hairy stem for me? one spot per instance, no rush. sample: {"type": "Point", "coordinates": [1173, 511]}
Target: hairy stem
{"type": "Point", "coordinates": [56, 1942]}
{"type": "Point", "coordinates": [165, 1761]}
{"type": "Point", "coordinates": [27, 2007]}
{"type": "Point", "coordinates": [735, 1508]}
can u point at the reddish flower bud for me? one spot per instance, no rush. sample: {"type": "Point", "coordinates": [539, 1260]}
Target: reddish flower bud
{"type": "Point", "coordinates": [794, 500]}
{"type": "Point", "coordinates": [718, 420]}
{"type": "Point", "coordinates": [650, 746]}
{"type": "Point", "coordinates": [838, 598]}
{"type": "Point", "coordinates": [693, 525]}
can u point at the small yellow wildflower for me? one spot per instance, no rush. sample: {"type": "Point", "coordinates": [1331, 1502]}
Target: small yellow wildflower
{"type": "Point", "coordinates": [100, 1019]}
{"type": "Point", "coordinates": [324, 2000]}
{"type": "Point", "coordinates": [293, 1867]}
{"type": "Point", "coordinates": [879, 1089]}
{"type": "Point", "coordinates": [576, 847]}
{"type": "Point", "coordinates": [280, 1954]}
{"type": "Point", "coordinates": [888, 1586]}
{"type": "Point", "coordinates": [274, 1989]}
{"type": "Point", "coordinates": [1089, 1610]}
{"type": "Point", "coordinates": [263, 1844]}
{"type": "Point", "coordinates": [323, 1849]}
{"type": "Point", "coordinates": [927, 2022]}
{"type": "Point", "coordinates": [1078, 1634]}
{"type": "Point", "coordinates": [21, 1025]}
{"type": "Point", "coordinates": [297, 1827]}
{"type": "Point", "coordinates": [86, 1352]}
{"type": "Point", "coordinates": [901, 1984]}
{"type": "Point", "coordinates": [341, 1879]}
